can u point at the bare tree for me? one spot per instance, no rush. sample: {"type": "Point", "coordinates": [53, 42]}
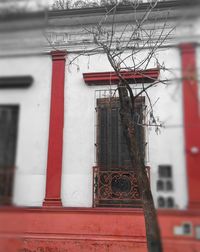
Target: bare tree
{"type": "Point", "coordinates": [122, 44]}
{"type": "Point", "coordinates": [114, 47]}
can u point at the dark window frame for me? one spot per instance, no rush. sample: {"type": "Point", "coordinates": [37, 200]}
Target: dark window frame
{"type": "Point", "coordinates": [120, 170]}
{"type": "Point", "coordinates": [8, 158]}
{"type": "Point", "coordinates": [140, 101]}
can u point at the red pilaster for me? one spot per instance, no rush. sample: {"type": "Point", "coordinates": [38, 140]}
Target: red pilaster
{"type": "Point", "coordinates": [54, 162]}
{"type": "Point", "coordinates": [191, 122]}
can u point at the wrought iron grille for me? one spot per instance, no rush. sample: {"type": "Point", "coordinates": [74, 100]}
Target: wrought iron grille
{"type": "Point", "coordinates": [117, 188]}
{"type": "Point", "coordinates": [107, 100]}
{"type": "Point", "coordinates": [114, 180]}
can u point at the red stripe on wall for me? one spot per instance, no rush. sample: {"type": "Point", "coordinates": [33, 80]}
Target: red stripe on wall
{"type": "Point", "coordinates": [54, 162]}
{"type": "Point", "coordinates": [191, 122]}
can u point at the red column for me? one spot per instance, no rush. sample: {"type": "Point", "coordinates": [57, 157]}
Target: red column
{"type": "Point", "coordinates": [54, 161]}
{"type": "Point", "coordinates": [191, 122]}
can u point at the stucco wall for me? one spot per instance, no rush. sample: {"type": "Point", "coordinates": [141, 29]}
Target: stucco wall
{"type": "Point", "coordinates": [79, 130]}
{"type": "Point", "coordinates": [33, 125]}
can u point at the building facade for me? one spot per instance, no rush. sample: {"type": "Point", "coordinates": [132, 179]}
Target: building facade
{"type": "Point", "coordinates": [66, 182]}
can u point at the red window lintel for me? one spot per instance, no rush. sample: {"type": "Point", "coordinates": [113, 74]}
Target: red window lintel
{"type": "Point", "coordinates": [107, 78]}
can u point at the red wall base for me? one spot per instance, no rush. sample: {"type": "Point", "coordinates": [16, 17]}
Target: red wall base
{"type": "Point", "coordinates": [72, 245]}
{"type": "Point", "coordinates": [60, 230]}
{"type": "Point", "coordinates": [89, 230]}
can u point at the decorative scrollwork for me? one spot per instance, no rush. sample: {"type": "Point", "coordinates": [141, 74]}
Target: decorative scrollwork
{"type": "Point", "coordinates": [115, 187]}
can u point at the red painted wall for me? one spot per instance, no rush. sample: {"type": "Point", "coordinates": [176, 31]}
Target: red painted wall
{"type": "Point", "coordinates": [87, 229]}
{"type": "Point", "coordinates": [71, 230]}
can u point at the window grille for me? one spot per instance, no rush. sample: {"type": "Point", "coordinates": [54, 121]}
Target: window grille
{"type": "Point", "coordinates": [115, 183]}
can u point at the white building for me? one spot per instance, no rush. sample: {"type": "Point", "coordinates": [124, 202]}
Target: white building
{"type": "Point", "coordinates": [51, 108]}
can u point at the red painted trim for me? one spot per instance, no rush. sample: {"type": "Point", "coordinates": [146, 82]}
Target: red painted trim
{"type": "Point", "coordinates": [191, 121]}
{"type": "Point", "coordinates": [107, 78]}
{"type": "Point", "coordinates": [54, 162]}
{"type": "Point", "coordinates": [106, 210]}
{"type": "Point", "coordinates": [89, 210]}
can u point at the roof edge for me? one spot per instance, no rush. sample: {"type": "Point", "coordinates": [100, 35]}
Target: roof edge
{"type": "Point", "coordinates": [122, 8]}
{"type": "Point", "coordinates": [94, 10]}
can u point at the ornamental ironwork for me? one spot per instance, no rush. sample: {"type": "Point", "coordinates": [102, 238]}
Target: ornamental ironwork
{"type": "Point", "coordinates": [118, 188]}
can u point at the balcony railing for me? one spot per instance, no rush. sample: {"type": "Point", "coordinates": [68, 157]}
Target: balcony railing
{"type": "Point", "coordinates": [115, 188]}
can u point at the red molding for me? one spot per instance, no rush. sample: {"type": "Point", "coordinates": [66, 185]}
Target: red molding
{"type": "Point", "coordinates": [107, 78]}
{"type": "Point", "coordinates": [106, 210]}
{"type": "Point", "coordinates": [58, 55]}
{"type": "Point", "coordinates": [191, 121]}
{"type": "Point", "coordinates": [89, 210]}
{"type": "Point", "coordinates": [54, 162]}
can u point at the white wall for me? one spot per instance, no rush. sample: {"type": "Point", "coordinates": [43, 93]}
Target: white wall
{"type": "Point", "coordinates": [167, 148]}
{"type": "Point", "coordinates": [34, 102]}
{"type": "Point", "coordinates": [79, 135]}
{"type": "Point", "coordinates": [79, 129]}
{"type": "Point", "coordinates": [78, 152]}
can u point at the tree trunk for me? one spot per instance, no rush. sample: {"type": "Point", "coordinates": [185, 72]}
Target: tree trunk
{"type": "Point", "coordinates": [129, 125]}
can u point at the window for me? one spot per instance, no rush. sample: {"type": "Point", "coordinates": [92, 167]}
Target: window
{"type": "Point", "coordinates": [112, 150]}
{"type": "Point", "coordinates": [8, 137]}
{"type": "Point", "coordinates": [116, 184]}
